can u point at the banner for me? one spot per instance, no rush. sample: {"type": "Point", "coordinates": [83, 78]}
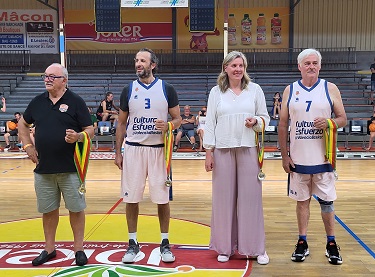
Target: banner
{"type": "Point", "coordinates": [154, 3]}
{"type": "Point", "coordinates": [259, 28]}
{"type": "Point", "coordinates": [34, 30]}
{"type": "Point", "coordinates": [137, 31]}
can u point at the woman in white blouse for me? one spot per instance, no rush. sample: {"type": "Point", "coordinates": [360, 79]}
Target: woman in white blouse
{"type": "Point", "coordinates": [236, 111]}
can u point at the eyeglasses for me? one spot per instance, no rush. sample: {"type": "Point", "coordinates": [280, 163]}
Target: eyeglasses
{"type": "Point", "coordinates": [51, 77]}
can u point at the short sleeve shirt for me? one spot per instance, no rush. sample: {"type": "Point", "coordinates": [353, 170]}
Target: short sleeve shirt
{"type": "Point", "coordinates": [55, 155]}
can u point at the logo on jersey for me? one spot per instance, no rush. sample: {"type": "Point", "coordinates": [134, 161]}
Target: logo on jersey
{"type": "Point", "coordinates": [63, 108]}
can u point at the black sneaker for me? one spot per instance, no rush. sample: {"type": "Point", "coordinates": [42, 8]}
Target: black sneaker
{"type": "Point", "coordinates": [175, 148]}
{"type": "Point", "coordinates": [194, 146]}
{"type": "Point", "coordinates": [301, 251]}
{"type": "Point", "coordinates": [165, 252]}
{"type": "Point", "coordinates": [7, 147]}
{"type": "Point", "coordinates": [332, 253]}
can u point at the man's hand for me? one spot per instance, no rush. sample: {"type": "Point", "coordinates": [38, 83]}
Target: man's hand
{"type": "Point", "coordinates": [71, 136]}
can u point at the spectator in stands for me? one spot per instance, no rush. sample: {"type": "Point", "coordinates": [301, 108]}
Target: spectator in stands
{"type": "Point", "coordinates": [372, 68]}
{"type": "Point", "coordinates": [11, 129]}
{"type": "Point", "coordinates": [3, 104]}
{"type": "Point", "coordinates": [236, 111]}
{"type": "Point", "coordinates": [61, 119]}
{"type": "Point", "coordinates": [187, 128]}
{"type": "Point", "coordinates": [276, 105]}
{"type": "Point", "coordinates": [105, 111]}
{"type": "Point", "coordinates": [94, 119]}
{"type": "Point", "coordinates": [309, 103]}
{"type": "Point", "coordinates": [371, 128]}
{"type": "Point", "coordinates": [143, 119]}
{"type": "Point", "coordinates": [200, 122]}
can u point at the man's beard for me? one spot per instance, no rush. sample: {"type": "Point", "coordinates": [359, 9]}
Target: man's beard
{"type": "Point", "coordinates": [144, 74]}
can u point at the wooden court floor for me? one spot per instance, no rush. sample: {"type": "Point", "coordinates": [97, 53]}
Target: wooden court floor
{"type": "Point", "coordinates": [355, 209]}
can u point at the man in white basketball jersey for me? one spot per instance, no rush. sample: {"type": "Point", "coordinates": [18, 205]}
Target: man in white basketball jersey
{"type": "Point", "coordinates": [144, 107]}
{"type": "Point", "coordinates": [309, 104]}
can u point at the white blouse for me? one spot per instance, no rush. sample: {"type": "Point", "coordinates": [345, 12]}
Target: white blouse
{"type": "Point", "coordinates": [226, 114]}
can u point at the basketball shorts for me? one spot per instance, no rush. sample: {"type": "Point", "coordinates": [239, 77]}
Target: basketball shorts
{"type": "Point", "coordinates": [302, 186]}
{"type": "Point", "coordinates": [141, 163]}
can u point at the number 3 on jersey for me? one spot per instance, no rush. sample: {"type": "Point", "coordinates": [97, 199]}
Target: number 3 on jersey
{"type": "Point", "coordinates": [147, 103]}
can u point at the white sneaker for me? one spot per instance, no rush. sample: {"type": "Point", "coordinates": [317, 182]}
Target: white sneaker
{"type": "Point", "coordinates": [165, 252]}
{"type": "Point", "coordinates": [222, 258]}
{"type": "Point", "coordinates": [131, 253]}
{"type": "Point", "coordinates": [263, 259]}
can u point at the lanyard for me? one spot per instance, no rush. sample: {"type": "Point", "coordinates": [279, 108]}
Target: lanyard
{"type": "Point", "coordinates": [81, 160]}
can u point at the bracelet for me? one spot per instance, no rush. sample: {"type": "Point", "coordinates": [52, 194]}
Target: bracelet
{"type": "Point", "coordinates": [27, 145]}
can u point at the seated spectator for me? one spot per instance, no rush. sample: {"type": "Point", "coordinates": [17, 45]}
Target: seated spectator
{"type": "Point", "coordinates": [94, 119]}
{"type": "Point", "coordinates": [372, 132]}
{"type": "Point", "coordinates": [104, 112]}
{"type": "Point", "coordinates": [12, 129]}
{"type": "Point", "coordinates": [3, 106]}
{"type": "Point", "coordinates": [187, 127]}
{"type": "Point", "coordinates": [201, 121]}
{"type": "Point", "coordinates": [276, 105]}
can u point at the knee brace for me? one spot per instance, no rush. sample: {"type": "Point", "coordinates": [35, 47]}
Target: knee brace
{"type": "Point", "coordinates": [326, 206]}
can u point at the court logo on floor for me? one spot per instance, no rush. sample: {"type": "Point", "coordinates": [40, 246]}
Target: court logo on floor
{"type": "Point", "coordinates": [105, 256]}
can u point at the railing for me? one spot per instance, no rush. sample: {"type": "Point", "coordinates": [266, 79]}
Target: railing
{"type": "Point", "coordinates": [182, 60]}
{"type": "Point", "coordinates": [186, 60]}
{"type": "Point", "coordinates": [14, 60]}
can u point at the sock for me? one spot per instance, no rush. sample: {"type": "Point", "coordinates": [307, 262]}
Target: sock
{"type": "Point", "coordinates": [164, 236]}
{"type": "Point", "coordinates": [133, 236]}
{"type": "Point", "coordinates": [330, 238]}
{"type": "Point", "coordinates": [304, 237]}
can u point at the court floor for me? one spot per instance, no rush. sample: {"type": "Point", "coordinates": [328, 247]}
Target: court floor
{"type": "Point", "coordinates": [20, 223]}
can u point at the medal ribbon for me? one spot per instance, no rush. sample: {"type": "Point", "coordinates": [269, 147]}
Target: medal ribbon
{"type": "Point", "coordinates": [260, 147]}
{"type": "Point", "coordinates": [81, 156]}
{"type": "Point", "coordinates": [330, 138]}
{"type": "Point", "coordinates": [168, 144]}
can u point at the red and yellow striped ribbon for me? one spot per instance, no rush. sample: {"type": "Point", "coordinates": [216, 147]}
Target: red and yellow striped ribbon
{"type": "Point", "coordinates": [260, 147]}
{"type": "Point", "coordinates": [82, 156]}
{"type": "Point", "coordinates": [168, 144]}
{"type": "Point", "coordinates": [330, 139]}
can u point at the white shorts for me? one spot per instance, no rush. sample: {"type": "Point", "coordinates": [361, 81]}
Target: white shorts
{"type": "Point", "coordinates": [302, 186]}
{"type": "Point", "coordinates": [140, 162]}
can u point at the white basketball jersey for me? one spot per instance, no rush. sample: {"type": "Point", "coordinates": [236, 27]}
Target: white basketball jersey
{"type": "Point", "coordinates": [146, 104]}
{"type": "Point", "coordinates": [307, 146]}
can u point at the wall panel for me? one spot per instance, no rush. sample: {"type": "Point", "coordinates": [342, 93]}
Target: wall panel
{"type": "Point", "coordinates": [318, 23]}
{"type": "Point", "coordinates": [335, 23]}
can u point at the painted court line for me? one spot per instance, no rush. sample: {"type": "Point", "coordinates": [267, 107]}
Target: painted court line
{"type": "Point", "coordinates": [368, 249]}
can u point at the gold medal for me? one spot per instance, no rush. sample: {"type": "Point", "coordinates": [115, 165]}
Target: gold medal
{"type": "Point", "coordinates": [82, 189]}
{"type": "Point", "coordinates": [168, 182]}
{"type": "Point", "coordinates": [261, 175]}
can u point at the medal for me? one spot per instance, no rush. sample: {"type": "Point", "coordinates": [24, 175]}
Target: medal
{"type": "Point", "coordinates": [82, 189]}
{"type": "Point", "coordinates": [168, 144]}
{"type": "Point", "coordinates": [330, 139]}
{"type": "Point", "coordinates": [81, 160]}
{"type": "Point", "coordinates": [168, 182]}
{"type": "Point", "coordinates": [336, 175]}
{"type": "Point", "coordinates": [261, 175]}
{"type": "Point", "coordinates": [260, 150]}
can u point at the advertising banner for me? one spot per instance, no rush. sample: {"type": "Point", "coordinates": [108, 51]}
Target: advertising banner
{"type": "Point", "coordinates": [154, 3]}
{"type": "Point", "coordinates": [259, 28]}
{"type": "Point", "coordinates": [34, 30]}
{"type": "Point", "coordinates": [137, 31]}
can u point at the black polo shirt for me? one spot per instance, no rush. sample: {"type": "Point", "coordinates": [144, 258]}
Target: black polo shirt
{"type": "Point", "coordinates": [51, 121]}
